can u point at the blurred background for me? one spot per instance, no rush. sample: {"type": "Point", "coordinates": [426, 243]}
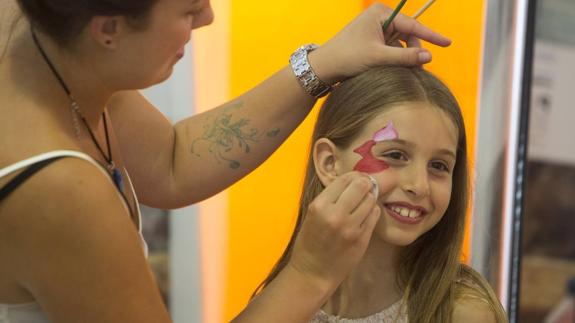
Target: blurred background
{"type": "Point", "coordinates": [510, 67]}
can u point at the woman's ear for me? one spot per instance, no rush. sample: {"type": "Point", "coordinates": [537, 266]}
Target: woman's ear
{"type": "Point", "coordinates": [324, 160]}
{"type": "Point", "coordinates": [105, 30]}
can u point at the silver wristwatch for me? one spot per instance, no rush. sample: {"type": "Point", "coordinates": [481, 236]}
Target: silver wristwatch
{"type": "Point", "coordinates": [305, 74]}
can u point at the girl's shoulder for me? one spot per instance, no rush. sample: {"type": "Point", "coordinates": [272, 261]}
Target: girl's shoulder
{"type": "Point", "coordinates": [470, 283]}
{"type": "Point", "coordinates": [475, 300]}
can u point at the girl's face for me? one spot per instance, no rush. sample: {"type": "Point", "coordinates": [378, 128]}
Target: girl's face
{"type": "Point", "coordinates": [161, 44]}
{"type": "Point", "coordinates": [413, 167]}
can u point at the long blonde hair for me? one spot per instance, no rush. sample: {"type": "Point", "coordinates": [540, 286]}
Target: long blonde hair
{"type": "Point", "coordinates": [428, 268]}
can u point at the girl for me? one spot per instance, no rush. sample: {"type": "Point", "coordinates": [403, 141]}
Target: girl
{"type": "Point", "coordinates": [404, 128]}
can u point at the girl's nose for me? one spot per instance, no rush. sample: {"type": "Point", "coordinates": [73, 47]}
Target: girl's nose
{"type": "Point", "coordinates": [416, 181]}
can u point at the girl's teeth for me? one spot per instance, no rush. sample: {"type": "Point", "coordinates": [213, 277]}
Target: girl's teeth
{"type": "Point", "coordinates": [405, 212]}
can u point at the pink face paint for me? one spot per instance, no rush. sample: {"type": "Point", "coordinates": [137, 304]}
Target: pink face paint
{"type": "Point", "coordinates": [369, 164]}
{"type": "Point", "coordinates": [386, 133]}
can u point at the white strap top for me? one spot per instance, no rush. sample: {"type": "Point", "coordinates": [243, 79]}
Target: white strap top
{"type": "Point", "coordinates": [32, 312]}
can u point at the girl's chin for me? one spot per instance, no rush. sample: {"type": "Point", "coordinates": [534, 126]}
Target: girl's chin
{"type": "Point", "coordinates": [397, 239]}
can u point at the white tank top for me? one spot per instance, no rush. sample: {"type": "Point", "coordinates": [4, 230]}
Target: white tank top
{"type": "Point", "coordinates": [32, 312]}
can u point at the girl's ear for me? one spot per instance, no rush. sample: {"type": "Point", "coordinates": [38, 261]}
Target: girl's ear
{"type": "Point", "coordinates": [105, 30]}
{"type": "Point", "coordinates": [324, 160]}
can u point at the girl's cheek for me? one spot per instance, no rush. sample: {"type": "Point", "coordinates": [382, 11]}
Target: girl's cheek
{"type": "Point", "coordinates": [368, 163]}
{"type": "Point", "coordinates": [386, 181]}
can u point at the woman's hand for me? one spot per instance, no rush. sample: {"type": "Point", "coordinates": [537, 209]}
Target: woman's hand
{"type": "Point", "coordinates": [362, 44]}
{"type": "Point", "coordinates": [336, 230]}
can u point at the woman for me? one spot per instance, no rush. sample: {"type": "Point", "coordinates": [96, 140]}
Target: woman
{"type": "Point", "coordinates": [72, 127]}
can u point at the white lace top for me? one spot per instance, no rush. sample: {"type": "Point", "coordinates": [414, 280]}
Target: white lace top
{"type": "Point", "coordinates": [393, 314]}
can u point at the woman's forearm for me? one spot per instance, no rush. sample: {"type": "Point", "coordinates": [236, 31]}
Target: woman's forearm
{"type": "Point", "coordinates": [217, 148]}
{"type": "Point", "coordinates": [292, 297]}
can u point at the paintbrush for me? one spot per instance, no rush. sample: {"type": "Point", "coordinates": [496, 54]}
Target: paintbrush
{"type": "Point", "coordinates": [393, 14]}
{"type": "Point", "coordinates": [395, 36]}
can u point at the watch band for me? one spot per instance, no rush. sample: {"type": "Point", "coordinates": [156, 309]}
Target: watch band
{"type": "Point", "coordinates": [305, 74]}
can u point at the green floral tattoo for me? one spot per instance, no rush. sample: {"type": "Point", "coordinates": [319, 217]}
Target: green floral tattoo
{"type": "Point", "coordinates": [223, 133]}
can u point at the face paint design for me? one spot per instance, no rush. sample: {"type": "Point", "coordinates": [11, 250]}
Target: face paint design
{"type": "Point", "coordinates": [369, 164]}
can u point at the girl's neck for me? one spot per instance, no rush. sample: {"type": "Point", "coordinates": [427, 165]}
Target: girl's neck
{"type": "Point", "coordinates": [371, 286]}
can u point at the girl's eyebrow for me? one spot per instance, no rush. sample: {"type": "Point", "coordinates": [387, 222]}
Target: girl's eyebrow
{"type": "Point", "coordinates": [442, 151]}
{"type": "Point", "coordinates": [447, 152]}
{"type": "Point", "coordinates": [401, 142]}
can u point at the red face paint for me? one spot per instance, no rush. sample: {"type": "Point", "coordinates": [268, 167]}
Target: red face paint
{"type": "Point", "coordinates": [368, 163]}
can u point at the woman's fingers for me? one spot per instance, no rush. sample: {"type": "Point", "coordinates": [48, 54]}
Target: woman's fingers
{"type": "Point", "coordinates": [407, 56]}
{"type": "Point", "coordinates": [333, 191]}
{"type": "Point", "coordinates": [353, 195]}
{"type": "Point", "coordinates": [409, 26]}
{"type": "Point", "coordinates": [369, 224]}
{"type": "Point", "coordinates": [362, 211]}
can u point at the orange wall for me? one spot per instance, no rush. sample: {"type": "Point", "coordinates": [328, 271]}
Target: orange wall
{"type": "Point", "coordinates": [262, 207]}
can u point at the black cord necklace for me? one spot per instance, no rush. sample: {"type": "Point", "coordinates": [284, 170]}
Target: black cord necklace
{"type": "Point", "coordinates": [110, 166]}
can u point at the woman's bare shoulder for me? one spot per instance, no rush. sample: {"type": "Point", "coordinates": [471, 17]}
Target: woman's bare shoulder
{"type": "Point", "coordinates": [68, 238]}
{"type": "Point", "coordinates": [68, 190]}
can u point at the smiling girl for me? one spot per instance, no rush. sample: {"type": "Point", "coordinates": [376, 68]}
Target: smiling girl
{"type": "Point", "coordinates": [404, 128]}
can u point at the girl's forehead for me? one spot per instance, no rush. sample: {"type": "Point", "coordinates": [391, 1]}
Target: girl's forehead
{"type": "Point", "coordinates": [412, 119]}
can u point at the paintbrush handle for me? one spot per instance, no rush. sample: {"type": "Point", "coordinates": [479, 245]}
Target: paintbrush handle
{"type": "Point", "coordinates": [393, 14]}
{"type": "Point", "coordinates": [395, 36]}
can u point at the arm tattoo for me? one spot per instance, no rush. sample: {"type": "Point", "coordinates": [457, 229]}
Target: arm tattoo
{"type": "Point", "coordinates": [223, 133]}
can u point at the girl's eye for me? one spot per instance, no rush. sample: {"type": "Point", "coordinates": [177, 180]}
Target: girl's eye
{"type": "Point", "coordinates": [441, 166]}
{"type": "Point", "coordinates": [397, 155]}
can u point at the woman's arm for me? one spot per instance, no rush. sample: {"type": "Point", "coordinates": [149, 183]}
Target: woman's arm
{"type": "Point", "coordinates": [68, 240]}
{"type": "Point", "coordinates": [333, 237]}
{"type": "Point", "coordinates": [204, 154]}
{"type": "Point", "coordinates": [291, 297]}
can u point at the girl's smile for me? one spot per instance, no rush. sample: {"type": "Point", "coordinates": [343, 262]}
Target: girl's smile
{"type": "Point", "coordinates": [405, 212]}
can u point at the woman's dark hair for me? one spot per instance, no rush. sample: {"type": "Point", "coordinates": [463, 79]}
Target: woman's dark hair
{"type": "Point", "coordinates": [63, 20]}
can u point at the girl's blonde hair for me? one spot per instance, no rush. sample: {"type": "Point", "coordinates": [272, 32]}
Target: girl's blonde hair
{"type": "Point", "coordinates": [429, 268]}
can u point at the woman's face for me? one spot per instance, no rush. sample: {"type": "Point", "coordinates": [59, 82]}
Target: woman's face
{"type": "Point", "coordinates": [412, 165]}
{"type": "Point", "coordinates": [156, 49]}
